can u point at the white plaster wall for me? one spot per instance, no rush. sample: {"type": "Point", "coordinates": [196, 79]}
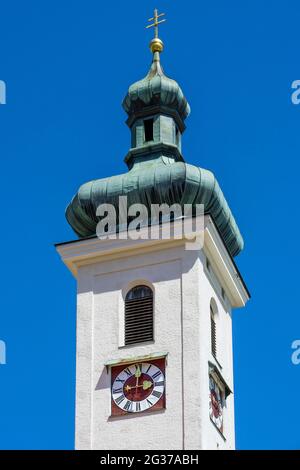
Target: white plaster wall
{"type": "Point", "coordinates": [211, 288]}
{"type": "Point", "coordinates": [182, 293]}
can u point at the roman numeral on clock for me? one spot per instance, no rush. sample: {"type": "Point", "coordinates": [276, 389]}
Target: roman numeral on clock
{"type": "Point", "coordinates": [128, 405]}
{"type": "Point", "coordinates": [127, 371]}
{"type": "Point", "coordinates": [137, 406]}
{"type": "Point", "coordinates": [118, 390]}
{"type": "Point", "coordinates": [157, 374]}
{"type": "Point", "coordinates": [159, 384]}
{"type": "Point", "coordinates": [156, 394]}
{"type": "Point", "coordinates": [120, 399]}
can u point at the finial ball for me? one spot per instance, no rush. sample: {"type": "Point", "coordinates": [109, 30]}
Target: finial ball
{"type": "Point", "coordinates": [156, 45]}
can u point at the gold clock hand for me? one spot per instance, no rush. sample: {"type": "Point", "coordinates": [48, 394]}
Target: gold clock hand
{"type": "Point", "coordinates": [137, 374]}
{"type": "Point", "coordinates": [146, 384]}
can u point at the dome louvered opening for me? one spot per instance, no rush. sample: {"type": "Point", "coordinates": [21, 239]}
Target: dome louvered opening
{"type": "Point", "coordinates": [139, 315]}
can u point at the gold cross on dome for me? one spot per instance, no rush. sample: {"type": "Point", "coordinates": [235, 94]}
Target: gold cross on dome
{"type": "Point", "coordinates": [156, 22]}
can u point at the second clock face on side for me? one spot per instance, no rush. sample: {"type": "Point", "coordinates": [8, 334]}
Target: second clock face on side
{"type": "Point", "coordinates": [215, 404]}
{"type": "Point", "coordinates": [138, 387]}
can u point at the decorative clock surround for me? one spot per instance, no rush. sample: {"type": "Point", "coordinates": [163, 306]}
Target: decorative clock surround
{"type": "Point", "coordinates": [138, 387]}
{"type": "Point", "coordinates": [216, 402]}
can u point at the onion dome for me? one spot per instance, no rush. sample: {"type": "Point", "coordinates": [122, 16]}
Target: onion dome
{"type": "Point", "coordinates": [157, 182]}
{"type": "Point", "coordinates": [157, 172]}
{"type": "Point", "coordinates": [156, 89]}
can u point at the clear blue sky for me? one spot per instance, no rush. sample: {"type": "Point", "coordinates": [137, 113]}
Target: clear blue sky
{"type": "Point", "coordinates": [67, 66]}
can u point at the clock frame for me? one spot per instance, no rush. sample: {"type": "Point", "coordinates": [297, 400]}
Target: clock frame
{"type": "Point", "coordinates": [138, 387]}
{"type": "Point", "coordinates": [216, 402]}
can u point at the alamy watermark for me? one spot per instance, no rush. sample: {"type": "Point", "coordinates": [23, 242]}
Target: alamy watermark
{"type": "Point", "coordinates": [2, 352]}
{"type": "Point", "coordinates": [295, 96]}
{"type": "Point", "coordinates": [157, 222]}
{"type": "Point", "coordinates": [296, 353]}
{"type": "Point", "coordinates": [2, 92]}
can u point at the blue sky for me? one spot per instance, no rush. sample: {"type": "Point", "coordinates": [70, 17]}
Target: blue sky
{"type": "Point", "coordinates": [67, 66]}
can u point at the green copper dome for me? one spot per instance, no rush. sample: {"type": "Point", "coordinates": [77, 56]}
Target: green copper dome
{"type": "Point", "coordinates": [156, 182]}
{"type": "Point", "coordinates": [156, 89]}
{"type": "Point", "coordinates": [157, 173]}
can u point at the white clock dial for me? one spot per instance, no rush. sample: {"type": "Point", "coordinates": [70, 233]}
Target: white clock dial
{"type": "Point", "coordinates": [138, 387]}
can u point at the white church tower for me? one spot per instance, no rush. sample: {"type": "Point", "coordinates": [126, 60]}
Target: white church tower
{"type": "Point", "coordinates": [154, 319]}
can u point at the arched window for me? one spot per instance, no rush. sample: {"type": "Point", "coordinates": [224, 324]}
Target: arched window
{"type": "Point", "coordinates": [139, 315]}
{"type": "Point", "coordinates": [213, 329]}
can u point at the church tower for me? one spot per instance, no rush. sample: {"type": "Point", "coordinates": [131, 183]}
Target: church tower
{"type": "Point", "coordinates": [154, 366]}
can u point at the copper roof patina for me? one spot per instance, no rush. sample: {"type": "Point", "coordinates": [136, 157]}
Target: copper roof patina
{"type": "Point", "coordinates": [156, 172]}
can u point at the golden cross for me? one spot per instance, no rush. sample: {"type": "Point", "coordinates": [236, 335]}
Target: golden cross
{"type": "Point", "coordinates": [156, 22]}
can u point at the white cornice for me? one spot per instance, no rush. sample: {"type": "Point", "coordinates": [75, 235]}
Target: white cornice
{"type": "Point", "coordinates": [89, 251]}
{"type": "Point", "coordinates": [223, 266]}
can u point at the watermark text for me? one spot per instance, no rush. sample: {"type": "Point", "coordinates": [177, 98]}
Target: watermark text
{"type": "Point", "coordinates": [157, 222]}
{"type": "Point", "coordinates": [2, 92]}
{"type": "Point", "coordinates": [296, 353]}
{"type": "Point", "coordinates": [2, 352]}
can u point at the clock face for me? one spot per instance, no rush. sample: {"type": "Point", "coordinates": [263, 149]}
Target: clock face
{"type": "Point", "coordinates": [138, 387]}
{"type": "Point", "coordinates": [215, 404]}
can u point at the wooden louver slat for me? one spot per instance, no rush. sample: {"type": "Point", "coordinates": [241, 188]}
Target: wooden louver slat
{"type": "Point", "coordinates": [213, 337]}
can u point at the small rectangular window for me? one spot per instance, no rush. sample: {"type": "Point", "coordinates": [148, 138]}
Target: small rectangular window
{"type": "Point", "coordinates": [148, 130]}
{"type": "Point", "coordinates": [177, 136]}
{"type": "Point", "coordinates": [213, 333]}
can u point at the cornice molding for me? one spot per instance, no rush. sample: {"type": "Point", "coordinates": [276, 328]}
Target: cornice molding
{"type": "Point", "coordinates": [93, 250]}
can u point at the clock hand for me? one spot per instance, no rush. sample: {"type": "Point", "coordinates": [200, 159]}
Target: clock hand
{"type": "Point", "coordinates": [146, 384]}
{"type": "Point", "coordinates": [137, 374]}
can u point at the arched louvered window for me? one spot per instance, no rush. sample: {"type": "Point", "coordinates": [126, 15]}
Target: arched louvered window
{"type": "Point", "coordinates": [213, 331]}
{"type": "Point", "coordinates": [139, 315]}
